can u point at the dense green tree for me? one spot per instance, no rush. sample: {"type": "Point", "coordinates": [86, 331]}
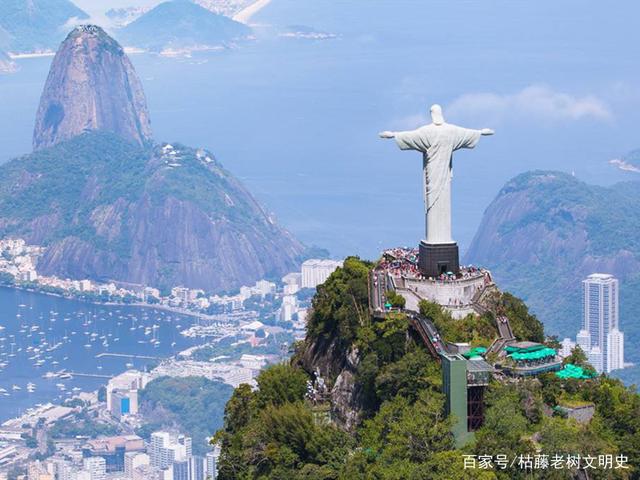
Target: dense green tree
{"type": "Point", "coordinates": [189, 402]}
{"type": "Point", "coordinates": [340, 305]}
{"type": "Point", "coordinates": [276, 433]}
{"type": "Point", "coordinates": [239, 409]}
{"type": "Point", "coordinates": [525, 326]}
{"type": "Point", "coordinates": [280, 384]}
{"type": "Point", "coordinates": [577, 357]}
{"type": "Point", "coordinates": [414, 373]}
{"type": "Point", "coordinates": [412, 432]}
{"type": "Point", "coordinates": [506, 429]}
{"type": "Point", "coordinates": [396, 300]}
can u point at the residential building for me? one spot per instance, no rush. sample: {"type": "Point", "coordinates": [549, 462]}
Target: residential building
{"type": "Point", "coordinates": [212, 463]}
{"type": "Point", "coordinates": [600, 309]}
{"type": "Point", "coordinates": [583, 340]}
{"type": "Point", "coordinates": [615, 352]}
{"type": "Point", "coordinates": [133, 460]}
{"type": "Point", "coordinates": [595, 358]}
{"type": "Point", "coordinates": [567, 347]}
{"type": "Point", "coordinates": [126, 383]}
{"type": "Point", "coordinates": [166, 450]}
{"type": "Point", "coordinates": [96, 467]}
{"type": "Point", "coordinates": [315, 272]}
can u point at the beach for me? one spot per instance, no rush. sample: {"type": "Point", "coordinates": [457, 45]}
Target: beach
{"type": "Point", "coordinates": [244, 15]}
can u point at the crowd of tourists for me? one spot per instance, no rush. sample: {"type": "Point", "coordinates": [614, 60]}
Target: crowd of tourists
{"type": "Point", "coordinates": [403, 262]}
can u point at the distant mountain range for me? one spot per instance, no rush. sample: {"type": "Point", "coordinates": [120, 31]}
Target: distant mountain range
{"type": "Point", "coordinates": [546, 231]}
{"type": "Point", "coordinates": [181, 24]}
{"type": "Point", "coordinates": [36, 25]}
{"type": "Point", "coordinates": [109, 204]}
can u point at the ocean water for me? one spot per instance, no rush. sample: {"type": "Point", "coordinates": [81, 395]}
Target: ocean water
{"type": "Point", "coordinates": [297, 121]}
{"type": "Point", "coordinates": [41, 334]}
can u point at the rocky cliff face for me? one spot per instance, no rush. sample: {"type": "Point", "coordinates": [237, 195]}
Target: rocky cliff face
{"type": "Point", "coordinates": [546, 231]}
{"type": "Point", "coordinates": [164, 216]}
{"type": "Point", "coordinates": [322, 358]}
{"type": "Point", "coordinates": [109, 206]}
{"type": "Point", "coordinates": [91, 86]}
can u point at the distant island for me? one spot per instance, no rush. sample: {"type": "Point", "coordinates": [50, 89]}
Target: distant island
{"type": "Point", "coordinates": [181, 27]}
{"type": "Point", "coordinates": [36, 26]}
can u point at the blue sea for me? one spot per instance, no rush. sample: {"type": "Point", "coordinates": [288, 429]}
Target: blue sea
{"type": "Point", "coordinates": [297, 121]}
{"type": "Point", "coordinates": [43, 334]}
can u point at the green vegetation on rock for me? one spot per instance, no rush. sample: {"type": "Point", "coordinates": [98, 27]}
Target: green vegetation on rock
{"type": "Point", "coordinates": [186, 403]}
{"type": "Point", "coordinates": [101, 205]}
{"type": "Point", "coordinates": [546, 231]}
{"type": "Point", "coordinates": [378, 372]}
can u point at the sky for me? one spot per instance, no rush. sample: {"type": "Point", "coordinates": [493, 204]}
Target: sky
{"type": "Point", "coordinates": [557, 81]}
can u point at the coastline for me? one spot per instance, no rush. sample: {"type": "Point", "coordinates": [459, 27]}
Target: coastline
{"type": "Point", "coordinates": [167, 308]}
{"type": "Point", "coordinates": [19, 56]}
{"type": "Point", "coordinates": [244, 15]}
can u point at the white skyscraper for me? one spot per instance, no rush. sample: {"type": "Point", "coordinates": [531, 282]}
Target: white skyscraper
{"type": "Point", "coordinates": [583, 340]}
{"type": "Point", "coordinates": [96, 467]}
{"type": "Point", "coordinates": [165, 450]}
{"type": "Point", "coordinates": [133, 460]}
{"type": "Point", "coordinates": [315, 272]}
{"type": "Point", "coordinates": [595, 358]}
{"type": "Point", "coordinates": [600, 308]}
{"type": "Point", "coordinates": [567, 347]}
{"type": "Point", "coordinates": [615, 353]}
{"type": "Point", "coordinates": [212, 463]}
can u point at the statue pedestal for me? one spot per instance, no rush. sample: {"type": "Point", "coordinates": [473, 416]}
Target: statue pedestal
{"type": "Point", "coordinates": [437, 258]}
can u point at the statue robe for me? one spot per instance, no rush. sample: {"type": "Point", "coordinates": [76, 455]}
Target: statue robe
{"type": "Point", "coordinates": [437, 144]}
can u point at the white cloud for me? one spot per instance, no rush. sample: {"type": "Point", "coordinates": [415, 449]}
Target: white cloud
{"type": "Point", "coordinates": [533, 101]}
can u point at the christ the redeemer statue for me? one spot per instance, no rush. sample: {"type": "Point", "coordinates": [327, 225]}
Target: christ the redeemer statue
{"type": "Point", "coordinates": [437, 142]}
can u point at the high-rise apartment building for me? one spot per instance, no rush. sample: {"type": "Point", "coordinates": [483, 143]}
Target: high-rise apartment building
{"type": "Point", "coordinates": [315, 272]}
{"type": "Point", "coordinates": [600, 317]}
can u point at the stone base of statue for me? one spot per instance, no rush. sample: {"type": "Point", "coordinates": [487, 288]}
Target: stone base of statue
{"type": "Point", "coordinates": [435, 259]}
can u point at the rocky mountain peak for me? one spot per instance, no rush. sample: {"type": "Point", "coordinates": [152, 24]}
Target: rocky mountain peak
{"type": "Point", "coordinates": [92, 85]}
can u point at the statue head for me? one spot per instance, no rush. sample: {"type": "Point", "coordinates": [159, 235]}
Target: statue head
{"type": "Point", "coordinates": [436, 114]}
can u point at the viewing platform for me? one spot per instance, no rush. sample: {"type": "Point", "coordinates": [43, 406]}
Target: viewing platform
{"type": "Point", "coordinates": [399, 271]}
{"type": "Point", "coordinates": [524, 359]}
